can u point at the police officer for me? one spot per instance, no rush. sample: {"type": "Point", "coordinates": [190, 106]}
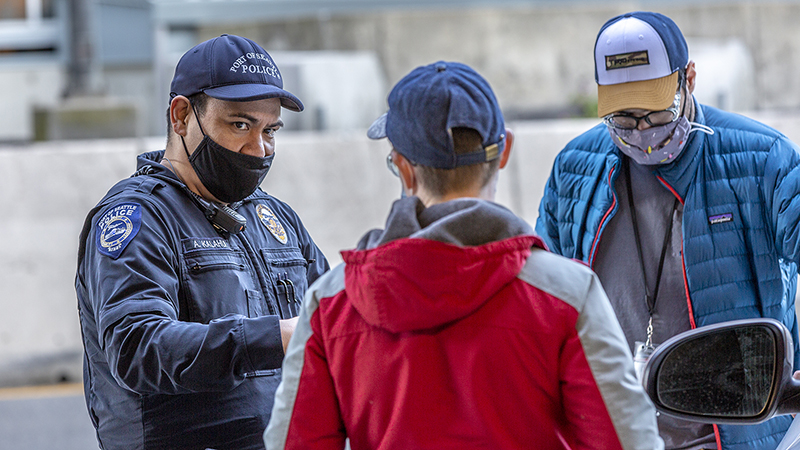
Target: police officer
{"type": "Point", "coordinates": [189, 276]}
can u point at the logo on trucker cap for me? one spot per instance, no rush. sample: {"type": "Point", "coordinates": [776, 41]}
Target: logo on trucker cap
{"type": "Point", "coordinates": [625, 60]}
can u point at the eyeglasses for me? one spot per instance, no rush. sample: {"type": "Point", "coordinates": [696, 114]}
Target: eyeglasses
{"type": "Point", "coordinates": [654, 118]}
{"type": "Point", "coordinates": [393, 167]}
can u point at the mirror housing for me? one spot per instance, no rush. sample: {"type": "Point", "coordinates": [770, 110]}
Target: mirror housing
{"type": "Point", "coordinates": [736, 372]}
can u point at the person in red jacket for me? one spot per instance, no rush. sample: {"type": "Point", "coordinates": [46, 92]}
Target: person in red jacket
{"type": "Point", "coordinates": [453, 327]}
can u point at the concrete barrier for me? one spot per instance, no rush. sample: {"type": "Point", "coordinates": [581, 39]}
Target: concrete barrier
{"type": "Point", "coordinates": [337, 182]}
{"type": "Point", "coordinates": [46, 189]}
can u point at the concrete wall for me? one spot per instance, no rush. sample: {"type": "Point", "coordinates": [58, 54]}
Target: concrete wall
{"type": "Point", "coordinates": [46, 189]}
{"type": "Point", "coordinates": [337, 182]}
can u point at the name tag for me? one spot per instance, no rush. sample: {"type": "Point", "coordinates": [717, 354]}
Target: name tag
{"type": "Point", "coordinates": [204, 243]}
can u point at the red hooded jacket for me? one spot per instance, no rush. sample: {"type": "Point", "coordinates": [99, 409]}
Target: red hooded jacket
{"type": "Point", "coordinates": [418, 343]}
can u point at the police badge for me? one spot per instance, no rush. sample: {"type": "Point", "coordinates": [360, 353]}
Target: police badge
{"type": "Point", "coordinates": [270, 221]}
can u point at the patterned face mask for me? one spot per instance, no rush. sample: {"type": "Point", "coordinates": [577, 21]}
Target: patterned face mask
{"type": "Point", "coordinates": [656, 145]}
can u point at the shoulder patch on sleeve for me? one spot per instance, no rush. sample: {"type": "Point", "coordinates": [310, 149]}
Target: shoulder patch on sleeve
{"type": "Point", "coordinates": [117, 228]}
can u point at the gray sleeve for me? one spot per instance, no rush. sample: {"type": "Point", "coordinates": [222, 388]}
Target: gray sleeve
{"type": "Point", "coordinates": [604, 344]}
{"type": "Point", "coordinates": [275, 435]}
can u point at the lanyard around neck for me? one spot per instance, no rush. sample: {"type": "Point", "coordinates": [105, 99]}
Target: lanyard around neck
{"type": "Point", "coordinates": [649, 300]}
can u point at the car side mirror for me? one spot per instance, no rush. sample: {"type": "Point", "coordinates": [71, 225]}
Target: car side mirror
{"type": "Point", "coordinates": [734, 372]}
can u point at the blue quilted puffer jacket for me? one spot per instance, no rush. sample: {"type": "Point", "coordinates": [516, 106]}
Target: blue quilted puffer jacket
{"type": "Point", "coordinates": [740, 189]}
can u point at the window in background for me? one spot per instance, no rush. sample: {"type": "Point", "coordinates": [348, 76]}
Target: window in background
{"type": "Point", "coordinates": [28, 27]}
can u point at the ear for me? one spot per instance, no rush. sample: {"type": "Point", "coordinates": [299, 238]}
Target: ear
{"type": "Point", "coordinates": [180, 110]}
{"type": "Point", "coordinates": [407, 174]}
{"type": "Point", "coordinates": [691, 73]}
{"type": "Point", "coordinates": [509, 143]}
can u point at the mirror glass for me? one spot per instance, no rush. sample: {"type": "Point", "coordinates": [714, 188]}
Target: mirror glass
{"type": "Point", "coordinates": [724, 373]}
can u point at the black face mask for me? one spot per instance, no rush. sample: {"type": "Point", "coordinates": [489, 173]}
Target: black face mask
{"type": "Point", "coordinates": [228, 175]}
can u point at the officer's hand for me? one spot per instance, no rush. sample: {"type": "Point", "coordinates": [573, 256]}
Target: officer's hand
{"type": "Point", "coordinates": [287, 329]}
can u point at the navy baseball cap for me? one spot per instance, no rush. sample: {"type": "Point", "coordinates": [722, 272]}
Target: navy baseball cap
{"type": "Point", "coordinates": [637, 57]}
{"type": "Point", "coordinates": [428, 103]}
{"type": "Point", "coordinates": [231, 68]}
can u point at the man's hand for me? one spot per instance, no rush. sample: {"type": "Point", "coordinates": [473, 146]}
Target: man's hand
{"type": "Point", "coordinates": [287, 330]}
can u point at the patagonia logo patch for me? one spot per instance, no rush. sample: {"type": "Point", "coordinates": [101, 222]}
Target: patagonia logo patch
{"type": "Point", "coordinates": [117, 228]}
{"type": "Point", "coordinates": [204, 243]}
{"type": "Point", "coordinates": [720, 218]}
{"type": "Point", "coordinates": [625, 60]}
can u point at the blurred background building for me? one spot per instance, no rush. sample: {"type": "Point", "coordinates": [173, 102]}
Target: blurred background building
{"type": "Point", "coordinates": [78, 69]}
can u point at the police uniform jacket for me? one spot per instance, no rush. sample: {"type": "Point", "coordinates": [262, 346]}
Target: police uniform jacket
{"type": "Point", "coordinates": [180, 321]}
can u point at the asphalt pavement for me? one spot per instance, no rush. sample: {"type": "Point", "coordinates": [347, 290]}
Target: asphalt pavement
{"type": "Point", "coordinates": [45, 418]}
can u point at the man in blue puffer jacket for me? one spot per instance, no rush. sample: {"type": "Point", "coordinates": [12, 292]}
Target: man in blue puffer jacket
{"type": "Point", "coordinates": [688, 214]}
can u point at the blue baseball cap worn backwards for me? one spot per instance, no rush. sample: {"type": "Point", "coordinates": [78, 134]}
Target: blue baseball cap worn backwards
{"type": "Point", "coordinates": [231, 68]}
{"type": "Point", "coordinates": [428, 103]}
